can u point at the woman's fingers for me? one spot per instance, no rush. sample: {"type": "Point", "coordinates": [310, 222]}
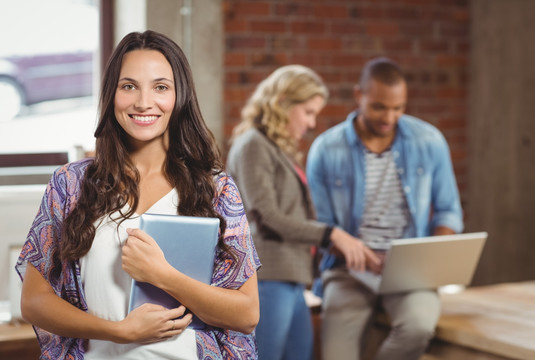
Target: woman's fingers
{"type": "Point", "coordinates": [151, 323]}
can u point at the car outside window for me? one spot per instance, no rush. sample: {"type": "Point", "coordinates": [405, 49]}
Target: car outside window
{"type": "Point", "coordinates": [47, 74]}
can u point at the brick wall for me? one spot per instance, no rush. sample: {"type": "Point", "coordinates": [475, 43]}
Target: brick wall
{"type": "Point", "coordinates": [429, 38]}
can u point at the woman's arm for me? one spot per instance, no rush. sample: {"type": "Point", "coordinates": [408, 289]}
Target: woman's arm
{"type": "Point", "coordinates": [234, 309]}
{"type": "Point", "coordinates": [41, 307]}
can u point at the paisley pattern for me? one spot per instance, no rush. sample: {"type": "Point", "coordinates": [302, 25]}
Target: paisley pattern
{"type": "Point", "coordinates": [41, 250]}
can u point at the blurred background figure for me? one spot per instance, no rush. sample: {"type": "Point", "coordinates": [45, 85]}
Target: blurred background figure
{"type": "Point", "coordinates": [265, 163]}
{"type": "Point", "coordinates": [381, 175]}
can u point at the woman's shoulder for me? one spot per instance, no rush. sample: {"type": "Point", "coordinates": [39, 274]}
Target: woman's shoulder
{"type": "Point", "coordinates": [70, 175]}
{"type": "Point", "coordinates": [250, 137]}
{"type": "Point", "coordinates": [75, 167]}
{"type": "Point", "coordinates": [222, 181]}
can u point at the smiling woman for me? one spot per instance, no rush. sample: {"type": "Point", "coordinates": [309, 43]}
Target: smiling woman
{"type": "Point", "coordinates": [153, 152]}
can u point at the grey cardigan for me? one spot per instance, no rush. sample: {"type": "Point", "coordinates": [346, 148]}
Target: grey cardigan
{"type": "Point", "coordinates": [278, 206]}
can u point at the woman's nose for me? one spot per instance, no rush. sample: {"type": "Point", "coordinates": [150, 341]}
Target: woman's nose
{"type": "Point", "coordinates": [144, 100]}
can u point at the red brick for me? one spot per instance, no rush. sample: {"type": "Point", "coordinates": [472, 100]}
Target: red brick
{"type": "Point", "coordinates": [307, 27]}
{"type": "Point", "coordinates": [332, 76]}
{"type": "Point", "coordinates": [348, 60]}
{"type": "Point", "coordinates": [245, 42]}
{"type": "Point", "coordinates": [416, 2]}
{"type": "Point", "coordinates": [245, 8]}
{"type": "Point", "coordinates": [429, 38]}
{"type": "Point", "coordinates": [458, 155]}
{"type": "Point", "coordinates": [236, 94]}
{"type": "Point", "coordinates": [233, 110]}
{"type": "Point", "coordinates": [413, 61]}
{"type": "Point", "coordinates": [235, 26]}
{"type": "Point", "coordinates": [331, 11]}
{"type": "Point", "coordinates": [297, 9]}
{"type": "Point", "coordinates": [264, 59]}
{"type": "Point", "coordinates": [457, 138]}
{"type": "Point", "coordinates": [390, 45]}
{"type": "Point", "coordinates": [403, 13]}
{"type": "Point", "coordinates": [347, 28]}
{"type": "Point", "coordinates": [363, 44]}
{"type": "Point", "coordinates": [332, 110]}
{"type": "Point", "coordinates": [449, 29]}
{"type": "Point", "coordinates": [235, 59]}
{"type": "Point", "coordinates": [345, 94]}
{"type": "Point", "coordinates": [451, 60]}
{"type": "Point", "coordinates": [268, 26]}
{"type": "Point", "coordinates": [382, 29]}
{"type": "Point", "coordinates": [449, 92]}
{"type": "Point", "coordinates": [317, 43]}
{"type": "Point", "coordinates": [434, 45]}
{"type": "Point", "coordinates": [286, 42]}
{"type": "Point", "coordinates": [462, 15]}
{"type": "Point", "coordinates": [462, 47]}
{"type": "Point", "coordinates": [367, 13]}
{"type": "Point", "coordinates": [419, 29]}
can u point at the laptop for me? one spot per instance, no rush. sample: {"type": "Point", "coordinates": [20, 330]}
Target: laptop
{"type": "Point", "coordinates": [426, 263]}
{"type": "Point", "coordinates": [189, 244]}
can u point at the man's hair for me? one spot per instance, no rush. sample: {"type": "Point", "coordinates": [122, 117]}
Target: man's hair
{"type": "Point", "coordinates": [383, 70]}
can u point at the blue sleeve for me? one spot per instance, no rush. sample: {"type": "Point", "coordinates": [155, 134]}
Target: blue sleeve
{"type": "Point", "coordinates": [316, 177]}
{"type": "Point", "coordinates": [445, 199]}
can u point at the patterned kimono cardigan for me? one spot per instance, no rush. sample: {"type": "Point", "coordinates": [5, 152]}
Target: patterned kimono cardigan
{"type": "Point", "coordinates": [41, 250]}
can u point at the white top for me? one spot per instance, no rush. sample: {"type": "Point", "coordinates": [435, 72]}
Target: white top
{"type": "Point", "coordinates": [386, 213]}
{"type": "Point", "coordinates": [107, 290]}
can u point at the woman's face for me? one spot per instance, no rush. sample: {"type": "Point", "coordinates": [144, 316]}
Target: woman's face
{"type": "Point", "coordinates": [302, 116]}
{"type": "Point", "coordinates": [145, 96]}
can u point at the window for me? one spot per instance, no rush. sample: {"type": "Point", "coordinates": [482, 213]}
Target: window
{"type": "Point", "coordinates": [48, 63]}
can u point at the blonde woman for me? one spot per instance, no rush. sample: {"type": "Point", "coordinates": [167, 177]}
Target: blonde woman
{"type": "Point", "coordinates": [265, 163]}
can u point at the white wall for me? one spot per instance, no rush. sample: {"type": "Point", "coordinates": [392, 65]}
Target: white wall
{"type": "Point", "coordinates": [18, 207]}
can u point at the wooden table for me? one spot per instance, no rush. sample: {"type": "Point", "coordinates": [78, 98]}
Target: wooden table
{"type": "Point", "coordinates": [495, 322]}
{"type": "Point", "coordinates": [498, 320]}
{"type": "Point", "coordinates": [18, 341]}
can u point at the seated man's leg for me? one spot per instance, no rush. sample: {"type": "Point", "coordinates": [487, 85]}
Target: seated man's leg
{"type": "Point", "coordinates": [413, 316]}
{"type": "Point", "coordinates": [346, 310]}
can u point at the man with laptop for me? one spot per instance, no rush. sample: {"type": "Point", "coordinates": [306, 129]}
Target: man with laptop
{"type": "Point", "coordinates": [381, 175]}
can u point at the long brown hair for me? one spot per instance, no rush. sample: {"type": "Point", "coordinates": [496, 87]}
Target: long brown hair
{"type": "Point", "coordinates": [111, 181]}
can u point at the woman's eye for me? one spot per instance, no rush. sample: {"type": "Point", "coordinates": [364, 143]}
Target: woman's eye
{"type": "Point", "coordinates": [128, 87]}
{"type": "Point", "coordinates": [161, 87]}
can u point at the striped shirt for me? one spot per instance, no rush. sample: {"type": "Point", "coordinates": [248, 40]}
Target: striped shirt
{"type": "Point", "coordinates": [386, 212]}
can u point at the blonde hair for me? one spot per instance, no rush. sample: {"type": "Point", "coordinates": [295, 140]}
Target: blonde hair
{"type": "Point", "coordinates": [267, 108]}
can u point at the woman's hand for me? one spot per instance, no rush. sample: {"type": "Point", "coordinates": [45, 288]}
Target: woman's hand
{"type": "Point", "coordinates": [142, 258]}
{"type": "Point", "coordinates": [151, 323]}
{"type": "Point", "coordinates": [357, 255]}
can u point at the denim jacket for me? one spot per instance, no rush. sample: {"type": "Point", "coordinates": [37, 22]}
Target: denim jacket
{"type": "Point", "coordinates": [336, 175]}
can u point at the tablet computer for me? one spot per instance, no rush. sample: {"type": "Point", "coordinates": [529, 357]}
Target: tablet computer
{"type": "Point", "coordinates": [189, 245]}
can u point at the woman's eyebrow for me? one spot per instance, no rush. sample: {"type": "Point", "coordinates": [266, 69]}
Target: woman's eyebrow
{"type": "Point", "coordinates": [127, 79]}
{"type": "Point", "coordinates": [163, 79]}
